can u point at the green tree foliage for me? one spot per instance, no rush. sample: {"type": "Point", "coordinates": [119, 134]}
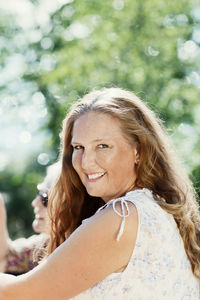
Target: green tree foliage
{"type": "Point", "coordinates": [150, 47]}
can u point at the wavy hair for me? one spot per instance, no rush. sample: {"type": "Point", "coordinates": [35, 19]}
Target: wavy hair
{"type": "Point", "coordinates": [158, 170]}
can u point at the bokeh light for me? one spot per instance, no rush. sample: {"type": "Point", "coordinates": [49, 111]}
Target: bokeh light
{"type": "Point", "coordinates": [43, 159]}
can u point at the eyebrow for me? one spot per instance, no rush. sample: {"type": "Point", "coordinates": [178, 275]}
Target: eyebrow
{"type": "Point", "coordinates": [96, 140]}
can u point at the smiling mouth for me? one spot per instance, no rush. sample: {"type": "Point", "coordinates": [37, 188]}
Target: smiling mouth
{"type": "Point", "coordinates": [38, 217]}
{"type": "Point", "coordinates": [95, 176]}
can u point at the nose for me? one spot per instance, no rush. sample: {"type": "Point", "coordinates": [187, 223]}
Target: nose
{"type": "Point", "coordinates": [36, 201]}
{"type": "Point", "coordinates": [87, 160]}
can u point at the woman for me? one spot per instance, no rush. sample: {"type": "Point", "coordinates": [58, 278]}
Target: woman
{"type": "Point", "coordinates": [18, 255]}
{"type": "Point", "coordinates": [40, 202]}
{"type": "Point", "coordinates": [143, 241]}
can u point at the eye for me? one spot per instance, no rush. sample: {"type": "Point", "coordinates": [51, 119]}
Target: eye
{"type": "Point", "coordinates": [102, 146]}
{"type": "Point", "coordinates": [77, 147]}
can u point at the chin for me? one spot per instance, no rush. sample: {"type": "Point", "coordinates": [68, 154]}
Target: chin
{"type": "Point", "coordinates": [38, 228]}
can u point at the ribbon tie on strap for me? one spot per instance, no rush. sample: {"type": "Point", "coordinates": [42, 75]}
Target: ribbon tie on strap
{"type": "Point", "coordinates": [124, 213]}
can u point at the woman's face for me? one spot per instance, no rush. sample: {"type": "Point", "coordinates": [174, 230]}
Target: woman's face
{"type": "Point", "coordinates": [41, 216]}
{"type": "Point", "coordinates": [102, 157]}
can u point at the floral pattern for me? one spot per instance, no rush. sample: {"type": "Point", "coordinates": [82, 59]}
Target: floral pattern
{"type": "Point", "coordinates": [159, 268]}
{"type": "Point", "coordinates": [20, 256]}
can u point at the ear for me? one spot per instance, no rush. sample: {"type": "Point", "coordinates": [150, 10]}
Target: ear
{"type": "Point", "coordinates": [137, 156]}
{"type": "Point", "coordinates": [137, 161]}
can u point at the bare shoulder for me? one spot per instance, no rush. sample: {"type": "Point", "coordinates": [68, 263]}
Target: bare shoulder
{"type": "Point", "coordinates": [102, 230]}
{"type": "Point", "coordinates": [109, 220]}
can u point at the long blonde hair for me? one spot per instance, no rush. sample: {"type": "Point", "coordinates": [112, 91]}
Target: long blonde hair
{"type": "Point", "coordinates": [158, 170]}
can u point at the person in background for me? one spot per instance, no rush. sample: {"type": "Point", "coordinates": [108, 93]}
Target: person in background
{"type": "Point", "coordinates": [125, 223]}
{"type": "Point", "coordinates": [3, 235]}
{"type": "Point", "coordinates": [17, 256]}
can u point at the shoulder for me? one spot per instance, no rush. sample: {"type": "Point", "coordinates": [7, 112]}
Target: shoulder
{"type": "Point", "coordinates": [120, 211]}
{"type": "Point", "coordinates": [125, 207]}
{"type": "Point", "coordinates": [115, 224]}
{"type": "Point", "coordinates": [97, 238]}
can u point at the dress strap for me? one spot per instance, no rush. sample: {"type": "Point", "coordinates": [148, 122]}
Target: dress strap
{"type": "Point", "coordinates": [124, 212]}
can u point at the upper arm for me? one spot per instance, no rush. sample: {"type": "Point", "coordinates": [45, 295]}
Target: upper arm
{"type": "Point", "coordinates": [89, 255]}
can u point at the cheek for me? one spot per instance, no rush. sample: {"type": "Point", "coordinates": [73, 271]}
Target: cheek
{"type": "Point", "coordinates": [108, 157]}
{"type": "Point", "coordinates": [104, 157]}
{"type": "Point", "coordinates": [37, 202]}
{"type": "Point", "coordinates": [128, 168]}
{"type": "Point", "coordinates": [43, 210]}
{"type": "Point", "coordinates": [76, 160]}
{"type": "Point", "coordinates": [126, 165]}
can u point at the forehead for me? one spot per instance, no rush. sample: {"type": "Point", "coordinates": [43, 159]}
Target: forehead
{"type": "Point", "coordinates": [95, 125]}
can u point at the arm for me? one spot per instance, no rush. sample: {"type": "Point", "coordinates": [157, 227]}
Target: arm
{"type": "Point", "coordinates": [4, 238]}
{"type": "Point", "coordinates": [89, 255]}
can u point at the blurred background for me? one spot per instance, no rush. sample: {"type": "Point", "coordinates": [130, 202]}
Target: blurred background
{"type": "Point", "coordinates": [53, 52]}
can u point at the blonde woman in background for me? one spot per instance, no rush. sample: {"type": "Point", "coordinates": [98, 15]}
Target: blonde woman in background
{"type": "Point", "coordinates": [17, 256]}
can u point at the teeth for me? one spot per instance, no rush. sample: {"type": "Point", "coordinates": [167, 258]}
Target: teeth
{"type": "Point", "coordinates": [94, 176]}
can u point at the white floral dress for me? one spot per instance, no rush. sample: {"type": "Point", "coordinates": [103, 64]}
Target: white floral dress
{"type": "Point", "coordinates": [159, 268]}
